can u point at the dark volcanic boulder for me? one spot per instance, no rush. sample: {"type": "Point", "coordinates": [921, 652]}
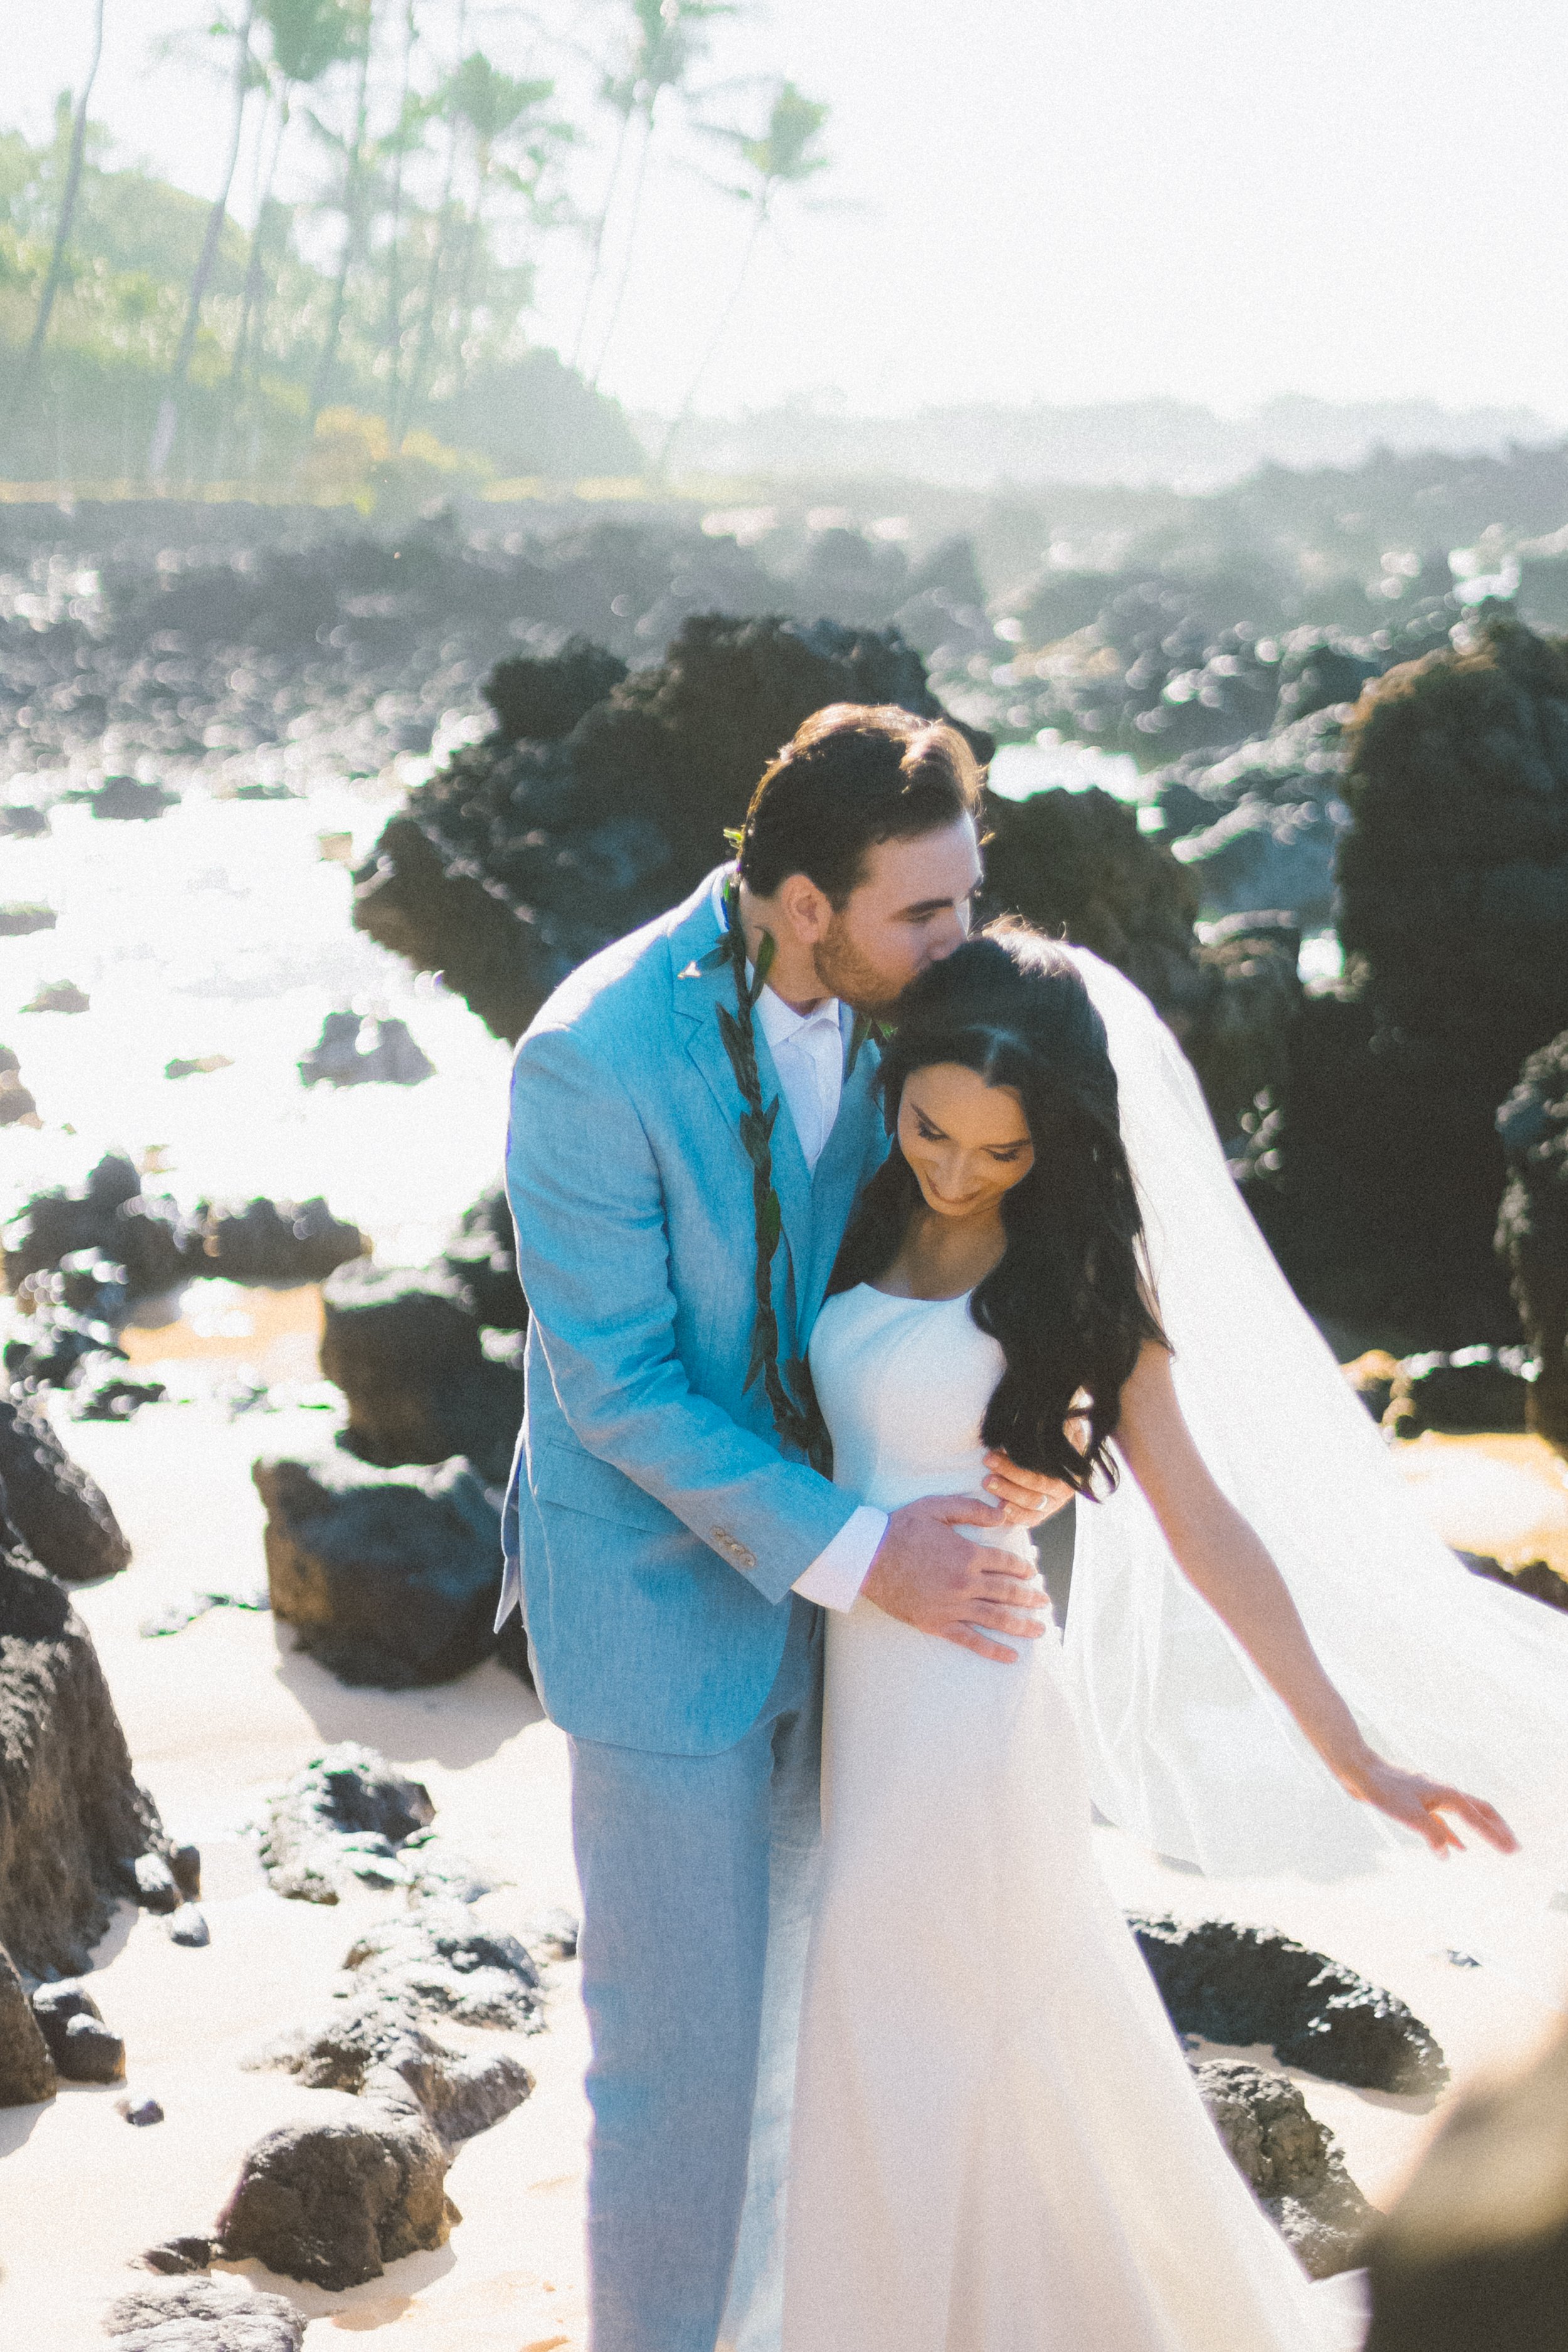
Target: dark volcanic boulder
{"type": "Point", "coordinates": [1265, 854]}
{"type": "Point", "coordinates": [122, 798]}
{"type": "Point", "coordinates": [525, 855]}
{"type": "Point", "coordinates": [201, 2315]}
{"type": "Point", "coordinates": [1536, 1578]}
{"type": "Point", "coordinates": [1076, 865]}
{"type": "Point", "coordinates": [1473, 2256]}
{"type": "Point", "coordinates": [1292, 2163]}
{"type": "Point", "coordinates": [26, 2069]}
{"type": "Point", "coordinates": [82, 2046]}
{"type": "Point", "coordinates": [539, 699]}
{"type": "Point", "coordinates": [438, 1960]}
{"type": "Point", "coordinates": [343, 1816]}
{"type": "Point", "coordinates": [1244, 1985]}
{"type": "Point", "coordinates": [334, 2202]}
{"type": "Point", "coordinates": [482, 1258]}
{"type": "Point", "coordinates": [1533, 1226]}
{"type": "Point", "coordinates": [281, 1241]}
{"type": "Point", "coordinates": [106, 1215]}
{"type": "Point", "coordinates": [1471, 1389]}
{"type": "Point", "coordinates": [59, 1513]}
{"type": "Point", "coordinates": [375, 2047]}
{"type": "Point", "coordinates": [342, 1057]}
{"type": "Point", "coordinates": [72, 1819]}
{"type": "Point", "coordinates": [405, 1347]}
{"type": "Point", "coordinates": [1379, 1179]}
{"type": "Point", "coordinates": [389, 1578]}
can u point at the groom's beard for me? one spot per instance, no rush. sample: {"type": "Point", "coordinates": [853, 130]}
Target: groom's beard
{"type": "Point", "coordinates": [851, 976]}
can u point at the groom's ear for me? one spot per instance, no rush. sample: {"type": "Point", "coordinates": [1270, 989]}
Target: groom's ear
{"type": "Point", "coordinates": [808, 911]}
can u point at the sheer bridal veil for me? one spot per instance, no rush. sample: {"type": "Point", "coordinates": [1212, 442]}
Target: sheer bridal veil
{"type": "Point", "coordinates": [1190, 1750]}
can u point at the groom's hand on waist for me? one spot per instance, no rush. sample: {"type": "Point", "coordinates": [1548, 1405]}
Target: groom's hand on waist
{"type": "Point", "coordinates": [929, 1574]}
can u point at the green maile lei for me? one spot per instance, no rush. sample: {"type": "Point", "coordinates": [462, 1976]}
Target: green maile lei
{"type": "Point", "coordinates": [786, 1383]}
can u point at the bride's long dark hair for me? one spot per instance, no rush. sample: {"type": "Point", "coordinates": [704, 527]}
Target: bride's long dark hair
{"type": "Point", "coordinates": [1069, 1300]}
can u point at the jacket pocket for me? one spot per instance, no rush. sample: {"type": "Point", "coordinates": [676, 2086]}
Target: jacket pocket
{"type": "Point", "coordinates": [570, 1479]}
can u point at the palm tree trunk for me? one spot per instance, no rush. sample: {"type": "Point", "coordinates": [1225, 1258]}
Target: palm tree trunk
{"type": "Point", "coordinates": [621, 284]}
{"type": "Point", "coordinates": [169, 412]}
{"type": "Point", "coordinates": [392, 333]}
{"type": "Point", "coordinates": [252, 283]}
{"type": "Point", "coordinates": [597, 252]}
{"type": "Point", "coordinates": [63, 225]}
{"type": "Point", "coordinates": [415, 386]}
{"type": "Point", "coordinates": [352, 226]}
{"type": "Point", "coordinates": [682, 416]}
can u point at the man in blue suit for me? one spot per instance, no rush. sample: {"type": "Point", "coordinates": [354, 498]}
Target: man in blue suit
{"type": "Point", "coordinates": [669, 1538]}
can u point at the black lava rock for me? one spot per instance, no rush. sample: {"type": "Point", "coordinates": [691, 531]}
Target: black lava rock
{"type": "Point", "coordinates": [406, 1350]}
{"type": "Point", "coordinates": [345, 1812]}
{"type": "Point", "coordinates": [482, 1258]}
{"type": "Point", "coordinates": [1292, 2163]}
{"type": "Point", "coordinates": [59, 1512]}
{"type": "Point", "coordinates": [1533, 1226]}
{"type": "Point", "coordinates": [84, 2049]}
{"type": "Point", "coordinates": [523, 856]}
{"type": "Point", "coordinates": [1471, 1389]}
{"type": "Point", "coordinates": [1243, 1985]}
{"type": "Point", "coordinates": [72, 1819]}
{"type": "Point", "coordinates": [1378, 1178]}
{"type": "Point", "coordinates": [200, 2314]}
{"type": "Point", "coordinates": [122, 798]}
{"type": "Point", "coordinates": [334, 2202]}
{"type": "Point", "coordinates": [375, 2047]}
{"type": "Point", "coordinates": [27, 2073]}
{"type": "Point", "coordinates": [390, 1578]}
{"type": "Point", "coordinates": [277, 1242]}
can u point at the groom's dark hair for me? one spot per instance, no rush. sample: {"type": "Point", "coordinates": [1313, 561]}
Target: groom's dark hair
{"type": "Point", "coordinates": [850, 776]}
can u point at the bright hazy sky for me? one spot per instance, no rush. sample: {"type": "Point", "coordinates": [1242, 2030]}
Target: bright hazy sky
{"type": "Point", "coordinates": [1068, 200]}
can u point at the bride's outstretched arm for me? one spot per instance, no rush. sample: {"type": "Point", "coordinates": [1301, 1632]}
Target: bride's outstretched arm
{"type": "Point", "coordinates": [1221, 1557]}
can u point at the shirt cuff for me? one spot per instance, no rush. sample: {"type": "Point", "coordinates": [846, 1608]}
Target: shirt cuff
{"type": "Point", "coordinates": [835, 1577]}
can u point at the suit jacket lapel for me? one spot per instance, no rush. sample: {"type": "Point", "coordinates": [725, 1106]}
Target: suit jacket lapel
{"type": "Point", "coordinates": [701, 986]}
{"type": "Point", "coordinates": [853, 1151]}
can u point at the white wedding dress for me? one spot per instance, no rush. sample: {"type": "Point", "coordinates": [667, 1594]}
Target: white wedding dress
{"type": "Point", "coordinates": [997, 2146]}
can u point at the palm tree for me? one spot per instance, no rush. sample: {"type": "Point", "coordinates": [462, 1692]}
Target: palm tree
{"type": "Point", "coordinates": [55, 277]}
{"type": "Point", "coordinates": [667, 38]}
{"type": "Point", "coordinates": [307, 38]}
{"type": "Point", "coordinates": [440, 230]}
{"type": "Point", "coordinates": [501, 111]}
{"type": "Point", "coordinates": [164, 430]}
{"type": "Point", "coordinates": [406, 137]}
{"type": "Point", "coordinates": [354, 159]}
{"type": "Point", "coordinates": [785, 157]}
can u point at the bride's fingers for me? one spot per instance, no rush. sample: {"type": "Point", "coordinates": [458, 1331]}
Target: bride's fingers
{"type": "Point", "coordinates": [1002, 1619]}
{"type": "Point", "coordinates": [1484, 1819]}
{"type": "Point", "coordinates": [963, 1638]}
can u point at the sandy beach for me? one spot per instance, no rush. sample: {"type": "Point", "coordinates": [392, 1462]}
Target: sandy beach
{"type": "Point", "coordinates": [219, 1712]}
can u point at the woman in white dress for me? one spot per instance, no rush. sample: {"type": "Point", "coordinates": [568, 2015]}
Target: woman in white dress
{"type": "Point", "coordinates": [997, 2146]}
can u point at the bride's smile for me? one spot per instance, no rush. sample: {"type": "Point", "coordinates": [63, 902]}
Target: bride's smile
{"type": "Point", "coordinates": [967, 1142]}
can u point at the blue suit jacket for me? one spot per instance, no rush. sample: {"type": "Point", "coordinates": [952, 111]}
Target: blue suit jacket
{"type": "Point", "coordinates": [655, 1522]}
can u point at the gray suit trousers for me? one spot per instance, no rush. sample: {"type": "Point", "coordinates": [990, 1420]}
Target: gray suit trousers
{"type": "Point", "coordinates": [697, 1873]}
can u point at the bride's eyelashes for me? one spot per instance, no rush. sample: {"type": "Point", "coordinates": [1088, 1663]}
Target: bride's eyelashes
{"type": "Point", "coordinates": [1003, 1154]}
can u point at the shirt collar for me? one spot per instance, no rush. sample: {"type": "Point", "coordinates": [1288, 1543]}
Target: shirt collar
{"type": "Point", "coordinates": [781, 1022]}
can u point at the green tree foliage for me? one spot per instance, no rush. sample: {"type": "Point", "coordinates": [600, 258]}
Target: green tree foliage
{"type": "Point", "coordinates": [144, 334]}
{"type": "Point", "coordinates": [782, 157]}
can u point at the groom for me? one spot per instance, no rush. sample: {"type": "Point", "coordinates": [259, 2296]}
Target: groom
{"type": "Point", "coordinates": [666, 1533]}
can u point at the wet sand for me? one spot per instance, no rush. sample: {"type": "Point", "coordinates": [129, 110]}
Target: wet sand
{"type": "Point", "coordinates": [217, 1713]}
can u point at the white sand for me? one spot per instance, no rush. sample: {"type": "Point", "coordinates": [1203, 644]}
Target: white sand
{"type": "Point", "coordinates": [217, 1712]}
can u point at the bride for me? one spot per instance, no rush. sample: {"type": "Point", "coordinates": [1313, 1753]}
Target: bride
{"type": "Point", "coordinates": [997, 2146]}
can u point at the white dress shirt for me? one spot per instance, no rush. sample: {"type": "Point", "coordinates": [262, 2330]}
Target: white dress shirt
{"type": "Point", "coordinates": [809, 1051]}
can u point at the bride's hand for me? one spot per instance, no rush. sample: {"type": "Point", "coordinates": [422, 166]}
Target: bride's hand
{"type": "Point", "coordinates": [1027, 1497]}
{"type": "Point", "coordinates": [1421, 1804]}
